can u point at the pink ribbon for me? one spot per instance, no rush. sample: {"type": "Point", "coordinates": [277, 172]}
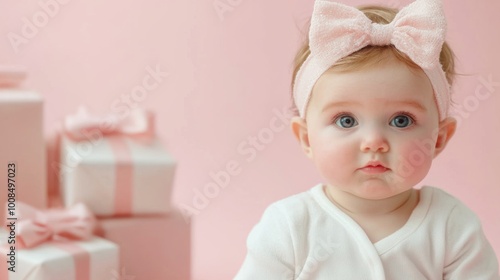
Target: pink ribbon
{"type": "Point", "coordinates": [337, 31]}
{"type": "Point", "coordinates": [35, 227]}
{"type": "Point", "coordinates": [123, 177]}
{"type": "Point", "coordinates": [137, 124]}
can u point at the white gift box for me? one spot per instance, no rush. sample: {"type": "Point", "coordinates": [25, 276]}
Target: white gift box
{"type": "Point", "coordinates": [117, 175]}
{"type": "Point", "coordinates": [96, 258]}
{"type": "Point", "coordinates": [22, 148]}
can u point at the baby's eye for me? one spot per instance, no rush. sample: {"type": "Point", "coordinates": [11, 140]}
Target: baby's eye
{"type": "Point", "coordinates": [402, 121]}
{"type": "Point", "coordinates": [345, 121]}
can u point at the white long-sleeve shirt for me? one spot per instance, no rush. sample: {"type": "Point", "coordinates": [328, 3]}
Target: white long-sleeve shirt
{"type": "Point", "coordinates": [305, 236]}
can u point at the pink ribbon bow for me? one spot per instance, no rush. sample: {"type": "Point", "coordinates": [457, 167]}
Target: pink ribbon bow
{"type": "Point", "coordinates": [12, 75]}
{"type": "Point", "coordinates": [337, 31]}
{"type": "Point", "coordinates": [84, 126]}
{"type": "Point", "coordinates": [418, 30]}
{"type": "Point", "coordinates": [35, 227]}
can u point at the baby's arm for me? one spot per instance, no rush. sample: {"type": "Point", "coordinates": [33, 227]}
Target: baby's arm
{"type": "Point", "coordinates": [270, 253]}
{"type": "Point", "coordinates": [469, 254]}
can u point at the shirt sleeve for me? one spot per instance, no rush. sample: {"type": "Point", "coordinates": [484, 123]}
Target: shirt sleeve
{"type": "Point", "coordinates": [270, 253]}
{"type": "Point", "coordinates": [469, 254]}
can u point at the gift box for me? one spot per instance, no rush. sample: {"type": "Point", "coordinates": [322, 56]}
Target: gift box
{"type": "Point", "coordinates": [94, 259]}
{"type": "Point", "coordinates": [22, 150]}
{"type": "Point", "coordinates": [151, 247]}
{"type": "Point", "coordinates": [117, 175]}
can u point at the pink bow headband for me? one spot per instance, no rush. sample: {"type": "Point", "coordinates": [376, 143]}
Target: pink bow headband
{"type": "Point", "coordinates": [337, 31]}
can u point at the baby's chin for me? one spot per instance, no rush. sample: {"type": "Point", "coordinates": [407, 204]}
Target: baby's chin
{"type": "Point", "coordinates": [379, 191]}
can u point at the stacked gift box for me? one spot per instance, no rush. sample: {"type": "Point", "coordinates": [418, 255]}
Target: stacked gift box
{"type": "Point", "coordinates": [106, 211]}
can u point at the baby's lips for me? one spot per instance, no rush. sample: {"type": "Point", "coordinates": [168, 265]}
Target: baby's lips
{"type": "Point", "coordinates": [375, 163]}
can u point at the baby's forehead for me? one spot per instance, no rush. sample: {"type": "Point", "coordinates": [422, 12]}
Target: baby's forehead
{"type": "Point", "coordinates": [375, 97]}
{"type": "Point", "coordinates": [389, 80]}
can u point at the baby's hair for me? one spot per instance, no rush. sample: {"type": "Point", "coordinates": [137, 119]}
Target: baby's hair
{"type": "Point", "coordinates": [370, 55]}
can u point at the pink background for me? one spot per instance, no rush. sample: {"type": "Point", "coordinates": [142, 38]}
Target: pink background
{"type": "Point", "coordinates": [227, 73]}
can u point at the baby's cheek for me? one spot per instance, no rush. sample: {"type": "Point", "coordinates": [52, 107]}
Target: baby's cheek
{"type": "Point", "coordinates": [414, 161]}
{"type": "Point", "coordinates": [331, 162]}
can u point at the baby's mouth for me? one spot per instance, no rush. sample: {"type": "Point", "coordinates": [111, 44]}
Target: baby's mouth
{"type": "Point", "coordinates": [374, 167]}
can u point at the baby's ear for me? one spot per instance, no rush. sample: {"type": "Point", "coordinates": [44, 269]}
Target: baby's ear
{"type": "Point", "coordinates": [447, 129]}
{"type": "Point", "coordinates": [299, 128]}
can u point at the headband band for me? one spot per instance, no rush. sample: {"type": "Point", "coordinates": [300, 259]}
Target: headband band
{"type": "Point", "coordinates": [337, 30]}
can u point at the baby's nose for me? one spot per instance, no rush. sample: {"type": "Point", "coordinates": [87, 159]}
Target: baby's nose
{"type": "Point", "coordinates": [374, 140]}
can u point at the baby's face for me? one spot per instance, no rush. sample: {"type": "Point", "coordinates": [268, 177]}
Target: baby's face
{"type": "Point", "coordinates": [384, 113]}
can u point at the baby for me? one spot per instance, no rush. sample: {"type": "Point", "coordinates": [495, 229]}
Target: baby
{"type": "Point", "coordinates": [372, 91]}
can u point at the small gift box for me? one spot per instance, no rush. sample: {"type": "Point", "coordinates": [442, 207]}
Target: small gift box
{"type": "Point", "coordinates": [117, 167]}
{"type": "Point", "coordinates": [55, 244]}
{"type": "Point", "coordinates": [22, 147]}
{"type": "Point", "coordinates": [151, 247]}
{"type": "Point", "coordinates": [94, 259]}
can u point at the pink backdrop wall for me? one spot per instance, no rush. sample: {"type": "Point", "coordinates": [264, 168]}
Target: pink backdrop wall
{"type": "Point", "coordinates": [228, 77]}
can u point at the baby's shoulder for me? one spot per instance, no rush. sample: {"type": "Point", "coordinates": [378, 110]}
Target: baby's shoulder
{"type": "Point", "coordinates": [294, 204]}
{"type": "Point", "coordinates": [295, 209]}
{"type": "Point", "coordinates": [447, 206]}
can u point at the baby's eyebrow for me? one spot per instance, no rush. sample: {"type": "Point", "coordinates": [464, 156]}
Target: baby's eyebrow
{"type": "Point", "coordinates": [409, 103]}
{"type": "Point", "coordinates": [339, 104]}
